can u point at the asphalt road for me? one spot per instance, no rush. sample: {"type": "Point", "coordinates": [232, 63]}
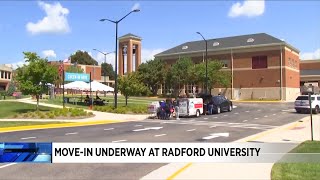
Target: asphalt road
{"type": "Point", "coordinates": [247, 119]}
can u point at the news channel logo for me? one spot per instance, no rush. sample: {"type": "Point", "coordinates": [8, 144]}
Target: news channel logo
{"type": "Point", "coordinates": [28, 152]}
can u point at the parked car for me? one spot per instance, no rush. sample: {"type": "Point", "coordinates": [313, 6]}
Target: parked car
{"type": "Point", "coordinates": [302, 103]}
{"type": "Point", "coordinates": [219, 104]}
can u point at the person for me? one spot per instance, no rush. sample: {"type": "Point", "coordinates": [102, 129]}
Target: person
{"type": "Point", "coordinates": [97, 97]}
{"type": "Point", "coordinates": [87, 99]}
{"type": "Point", "coordinates": [176, 108]}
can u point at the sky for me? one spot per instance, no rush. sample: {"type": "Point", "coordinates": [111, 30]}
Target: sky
{"type": "Point", "coordinates": [56, 29]}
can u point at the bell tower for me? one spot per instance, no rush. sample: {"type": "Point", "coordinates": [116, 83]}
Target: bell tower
{"type": "Point", "coordinates": [129, 54]}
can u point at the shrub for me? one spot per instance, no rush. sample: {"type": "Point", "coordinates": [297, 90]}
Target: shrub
{"type": "Point", "coordinates": [51, 116]}
{"type": "Point", "coordinates": [15, 116]}
{"type": "Point", "coordinates": [25, 115]}
{"type": "Point", "coordinates": [42, 116]}
{"type": "Point", "coordinates": [90, 113]}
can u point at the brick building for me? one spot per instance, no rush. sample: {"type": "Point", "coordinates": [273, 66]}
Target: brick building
{"type": "Point", "coordinates": [310, 72]}
{"type": "Point", "coordinates": [93, 69]}
{"type": "Point", "coordinates": [5, 77]}
{"type": "Point", "coordinates": [262, 66]}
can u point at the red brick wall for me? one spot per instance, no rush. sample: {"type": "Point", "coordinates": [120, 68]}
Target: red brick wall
{"type": "Point", "coordinates": [96, 74]}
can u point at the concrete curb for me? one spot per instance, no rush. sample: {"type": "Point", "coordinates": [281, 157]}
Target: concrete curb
{"type": "Point", "coordinates": [165, 170]}
{"type": "Point", "coordinates": [53, 126]}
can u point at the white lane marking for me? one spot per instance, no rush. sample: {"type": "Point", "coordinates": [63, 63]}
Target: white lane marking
{"type": "Point", "coordinates": [138, 125]}
{"type": "Point", "coordinates": [191, 130]}
{"type": "Point", "coordinates": [247, 111]}
{"type": "Point", "coordinates": [274, 114]}
{"type": "Point", "coordinates": [29, 138]}
{"type": "Point", "coordinates": [215, 135]}
{"type": "Point", "coordinates": [71, 133]}
{"type": "Point", "coordinates": [108, 129]}
{"type": "Point", "coordinates": [288, 110]}
{"type": "Point", "coordinates": [212, 126]}
{"type": "Point", "coordinates": [244, 120]}
{"type": "Point", "coordinates": [236, 113]}
{"type": "Point", "coordinates": [235, 106]}
{"type": "Point", "coordinates": [205, 118]}
{"type": "Point", "coordinates": [123, 140]}
{"type": "Point", "coordinates": [234, 123]}
{"type": "Point", "coordinates": [256, 118]}
{"type": "Point", "coordinates": [148, 128]}
{"type": "Point", "coordinates": [159, 135]}
{"type": "Point", "coordinates": [7, 165]}
{"type": "Point", "coordinates": [202, 121]}
{"type": "Point", "coordinates": [215, 117]}
{"type": "Point", "coordinates": [225, 115]}
{"type": "Point", "coordinates": [265, 116]}
{"type": "Point", "coordinates": [259, 109]}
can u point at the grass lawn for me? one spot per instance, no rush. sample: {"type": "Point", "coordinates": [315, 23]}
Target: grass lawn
{"type": "Point", "coordinates": [9, 109]}
{"type": "Point", "coordinates": [121, 101]}
{"type": "Point", "coordinates": [297, 171]}
{"type": "Point", "coordinates": [4, 124]}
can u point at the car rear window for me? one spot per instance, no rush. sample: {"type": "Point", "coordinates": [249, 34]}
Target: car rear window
{"type": "Point", "coordinates": [304, 98]}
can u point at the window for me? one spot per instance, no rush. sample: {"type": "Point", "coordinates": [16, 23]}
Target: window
{"type": "Point", "coordinates": [318, 98]}
{"type": "Point", "coordinates": [225, 63]}
{"type": "Point", "coordinates": [216, 44]}
{"type": "Point", "coordinates": [2, 74]}
{"type": "Point", "coordinates": [250, 40]}
{"type": "Point", "coordinates": [5, 75]}
{"type": "Point", "coordinates": [259, 62]}
{"type": "Point", "coordinates": [9, 76]}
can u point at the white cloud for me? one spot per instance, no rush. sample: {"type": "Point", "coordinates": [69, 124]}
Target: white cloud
{"type": "Point", "coordinates": [135, 6]}
{"type": "Point", "coordinates": [19, 64]}
{"type": "Point", "coordinates": [310, 55]}
{"type": "Point", "coordinates": [247, 8]}
{"type": "Point", "coordinates": [54, 22]}
{"type": "Point", "coordinates": [146, 54]}
{"type": "Point", "coordinates": [49, 53]}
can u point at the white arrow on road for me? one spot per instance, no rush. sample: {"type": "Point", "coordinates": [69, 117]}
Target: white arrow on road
{"type": "Point", "coordinates": [148, 128]}
{"type": "Point", "coordinates": [215, 135]}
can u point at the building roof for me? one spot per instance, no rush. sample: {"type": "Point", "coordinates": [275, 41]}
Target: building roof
{"type": "Point", "coordinates": [129, 35]}
{"type": "Point", "coordinates": [233, 42]}
{"type": "Point", "coordinates": [309, 61]}
{"type": "Point", "coordinates": [310, 72]}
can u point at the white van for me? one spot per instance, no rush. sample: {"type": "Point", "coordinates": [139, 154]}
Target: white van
{"type": "Point", "coordinates": [190, 107]}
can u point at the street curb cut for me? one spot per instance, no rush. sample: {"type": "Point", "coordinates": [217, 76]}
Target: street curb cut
{"type": "Point", "coordinates": [53, 126]}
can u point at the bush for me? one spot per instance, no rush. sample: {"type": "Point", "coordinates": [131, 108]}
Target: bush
{"type": "Point", "coordinates": [25, 115]}
{"type": "Point", "coordinates": [15, 116]}
{"type": "Point", "coordinates": [90, 113]}
{"type": "Point", "coordinates": [42, 116]}
{"type": "Point", "coordinates": [51, 116]}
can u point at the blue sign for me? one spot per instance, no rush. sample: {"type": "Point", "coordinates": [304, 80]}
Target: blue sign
{"type": "Point", "coordinates": [77, 77]}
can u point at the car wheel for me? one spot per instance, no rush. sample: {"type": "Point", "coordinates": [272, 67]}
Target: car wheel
{"type": "Point", "coordinates": [298, 111]}
{"type": "Point", "coordinates": [198, 113]}
{"type": "Point", "coordinates": [218, 110]}
{"type": "Point", "coordinates": [230, 108]}
{"type": "Point", "coordinates": [316, 110]}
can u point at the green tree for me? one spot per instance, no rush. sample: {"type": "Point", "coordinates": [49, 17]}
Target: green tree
{"type": "Point", "coordinates": [107, 70]}
{"type": "Point", "coordinates": [83, 57]}
{"type": "Point", "coordinates": [33, 78]}
{"type": "Point", "coordinates": [11, 89]}
{"type": "Point", "coordinates": [129, 85]}
{"type": "Point", "coordinates": [74, 69]}
{"type": "Point", "coordinates": [182, 72]}
{"type": "Point", "coordinates": [152, 73]}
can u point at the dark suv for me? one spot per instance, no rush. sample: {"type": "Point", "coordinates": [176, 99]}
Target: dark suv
{"type": "Point", "coordinates": [218, 104]}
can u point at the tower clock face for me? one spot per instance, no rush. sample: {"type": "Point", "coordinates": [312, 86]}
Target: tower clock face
{"type": "Point", "coordinates": [125, 50]}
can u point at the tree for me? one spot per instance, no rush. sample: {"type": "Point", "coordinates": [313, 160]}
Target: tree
{"type": "Point", "coordinates": [11, 89]}
{"type": "Point", "coordinates": [74, 69]}
{"type": "Point", "coordinates": [181, 72]}
{"type": "Point", "coordinates": [130, 85]}
{"type": "Point", "coordinates": [83, 57]}
{"type": "Point", "coordinates": [107, 70]}
{"type": "Point", "coordinates": [33, 78]}
{"type": "Point", "coordinates": [152, 74]}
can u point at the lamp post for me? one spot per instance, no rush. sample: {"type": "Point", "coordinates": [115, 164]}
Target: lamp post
{"type": "Point", "coordinates": [116, 59]}
{"type": "Point", "coordinates": [206, 87]}
{"type": "Point", "coordinates": [105, 62]}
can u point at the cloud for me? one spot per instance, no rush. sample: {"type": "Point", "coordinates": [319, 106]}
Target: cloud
{"type": "Point", "coordinates": [247, 8]}
{"type": "Point", "coordinates": [135, 6]}
{"type": "Point", "coordinates": [310, 55]}
{"type": "Point", "coordinates": [19, 64]}
{"type": "Point", "coordinates": [146, 54]}
{"type": "Point", "coordinates": [49, 53]}
{"type": "Point", "coordinates": [55, 21]}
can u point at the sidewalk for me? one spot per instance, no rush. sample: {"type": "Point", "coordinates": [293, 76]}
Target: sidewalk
{"type": "Point", "coordinates": [99, 116]}
{"type": "Point", "coordinates": [296, 132]}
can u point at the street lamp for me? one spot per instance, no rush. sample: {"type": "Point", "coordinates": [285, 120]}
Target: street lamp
{"type": "Point", "coordinates": [105, 62]}
{"type": "Point", "coordinates": [116, 63]}
{"type": "Point", "coordinates": [206, 61]}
